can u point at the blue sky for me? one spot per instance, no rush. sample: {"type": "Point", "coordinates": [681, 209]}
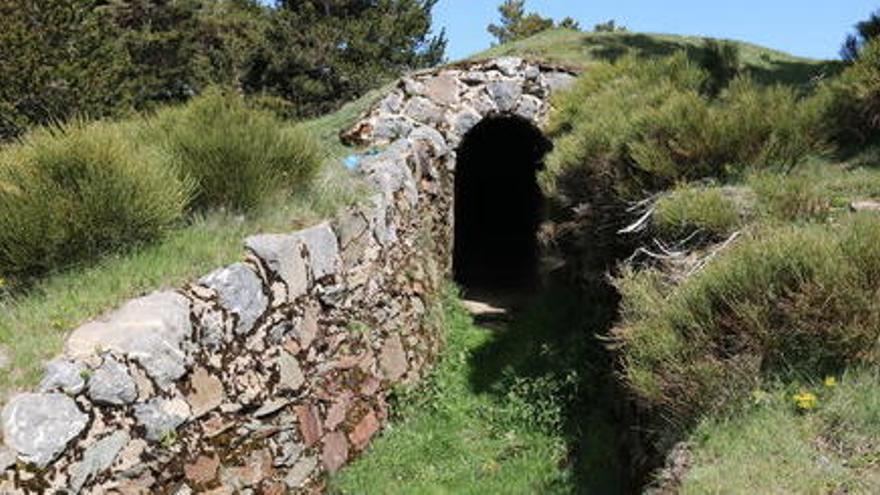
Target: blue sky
{"type": "Point", "coordinates": [809, 28]}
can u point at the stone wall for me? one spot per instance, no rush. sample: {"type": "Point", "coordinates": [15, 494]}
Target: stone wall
{"type": "Point", "coordinates": [263, 376]}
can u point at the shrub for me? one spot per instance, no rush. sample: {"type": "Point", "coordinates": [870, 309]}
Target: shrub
{"type": "Point", "coordinates": [236, 155]}
{"type": "Point", "coordinates": [714, 210]}
{"type": "Point", "coordinates": [721, 60]}
{"type": "Point", "coordinates": [76, 193]}
{"type": "Point", "coordinates": [646, 125]}
{"type": "Point", "coordinates": [853, 100]}
{"type": "Point", "coordinates": [793, 301]}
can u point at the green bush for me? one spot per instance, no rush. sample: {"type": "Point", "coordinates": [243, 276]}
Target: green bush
{"type": "Point", "coordinates": [237, 156]}
{"type": "Point", "coordinates": [782, 302]}
{"type": "Point", "coordinates": [647, 126]}
{"type": "Point", "coordinates": [721, 59]}
{"type": "Point", "coordinates": [853, 99]}
{"type": "Point", "coordinates": [73, 194]}
{"type": "Point", "coordinates": [714, 210]}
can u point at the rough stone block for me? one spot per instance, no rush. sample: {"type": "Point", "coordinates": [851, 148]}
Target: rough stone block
{"type": "Point", "coordinates": [160, 417]}
{"type": "Point", "coordinates": [150, 330]}
{"type": "Point", "coordinates": [323, 249]}
{"type": "Point", "coordinates": [39, 426]}
{"type": "Point", "coordinates": [97, 458]}
{"type": "Point", "coordinates": [283, 255]}
{"type": "Point", "coordinates": [505, 94]}
{"type": "Point", "coordinates": [241, 292]}
{"type": "Point", "coordinates": [112, 384]}
{"type": "Point", "coordinates": [62, 375]}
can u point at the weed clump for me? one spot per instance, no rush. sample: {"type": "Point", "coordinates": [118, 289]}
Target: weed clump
{"type": "Point", "coordinates": [75, 193]}
{"type": "Point", "coordinates": [236, 155]}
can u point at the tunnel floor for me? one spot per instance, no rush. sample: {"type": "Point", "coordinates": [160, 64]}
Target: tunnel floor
{"type": "Point", "coordinates": [498, 205]}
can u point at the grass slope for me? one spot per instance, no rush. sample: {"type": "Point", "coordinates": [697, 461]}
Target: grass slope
{"type": "Point", "coordinates": [581, 50]}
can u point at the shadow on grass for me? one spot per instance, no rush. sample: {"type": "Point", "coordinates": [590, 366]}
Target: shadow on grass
{"type": "Point", "coordinates": [550, 362]}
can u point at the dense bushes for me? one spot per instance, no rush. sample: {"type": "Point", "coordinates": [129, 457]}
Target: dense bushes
{"type": "Point", "coordinates": [853, 100]}
{"type": "Point", "coordinates": [73, 194]}
{"type": "Point", "coordinates": [647, 125]}
{"type": "Point", "coordinates": [789, 301]}
{"type": "Point", "coordinates": [235, 155]}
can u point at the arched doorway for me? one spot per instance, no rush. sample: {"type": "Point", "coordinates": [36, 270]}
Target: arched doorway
{"type": "Point", "coordinates": [498, 204]}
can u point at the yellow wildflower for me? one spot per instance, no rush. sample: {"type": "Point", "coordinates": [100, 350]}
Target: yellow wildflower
{"type": "Point", "coordinates": [830, 382]}
{"type": "Point", "coordinates": [806, 401]}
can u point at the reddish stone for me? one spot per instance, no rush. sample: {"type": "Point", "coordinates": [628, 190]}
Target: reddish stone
{"type": "Point", "coordinates": [392, 359]}
{"type": "Point", "coordinates": [273, 488]}
{"type": "Point", "coordinates": [365, 429]}
{"type": "Point", "coordinates": [257, 468]}
{"type": "Point", "coordinates": [215, 426]}
{"type": "Point", "coordinates": [202, 470]}
{"type": "Point", "coordinates": [291, 346]}
{"type": "Point", "coordinates": [336, 413]}
{"type": "Point", "coordinates": [335, 451]}
{"type": "Point", "coordinates": [309, 328]}
{"type": "Point", "coordinates": [370, 386]}
{"type": "Point", "coordinates": [309, 424]}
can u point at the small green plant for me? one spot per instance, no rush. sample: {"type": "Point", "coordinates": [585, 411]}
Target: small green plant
{"type": "Point", "coordinates": [237, 156]}
{"type": "Point", "coordinates": [169, 439]}
{"type": "Point", "coordinates": [76, 193]}
{"type": "Point", "coordinates": [713, 210]}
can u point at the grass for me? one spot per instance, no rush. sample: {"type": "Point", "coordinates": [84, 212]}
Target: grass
{"type": "Point", "coordinates": [773, 447]}
{"type": "Point", "coordinates": [500, 414]}
{"type": "Point", "coordinates": [582, 50]}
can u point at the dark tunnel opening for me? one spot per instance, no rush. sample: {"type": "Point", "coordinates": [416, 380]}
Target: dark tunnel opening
{"type": "Point", "coordinates": [498, 204]}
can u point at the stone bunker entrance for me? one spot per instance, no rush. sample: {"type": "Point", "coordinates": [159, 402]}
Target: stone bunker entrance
{"type": "Point", "coordinates": [498, 204]}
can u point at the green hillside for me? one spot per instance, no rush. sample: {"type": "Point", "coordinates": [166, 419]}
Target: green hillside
{"type": "Point", "coordinates": [580, 50]}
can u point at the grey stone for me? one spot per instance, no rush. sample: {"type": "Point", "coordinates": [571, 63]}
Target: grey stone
{"type": "Point", "coordinates": [431, 135]}
{"type": "Point", "coordinates": [383, 230]}
{"type": "Point", "coordinates": [505, 94]}
{"type": "Point", "coordinates": [241, 292]}
{"type": "Point", "coordinates": [289, 449]}
{"type": "Point", "coordinates": [64, 376]}
{"type": "Point", "coordinates": [529, 107]}
{"type": "Point", "coordinates": [391, 127]}
{"type": "Point", "coordinates": [283, 254]}
{"type": "Point", "coordinates": [509, 66]}
{"type": "Point", "coordinates": [392, 103]}
{"type": "Point", "coordinates": [323, 249]}
{"type": "Point", "coordinates": [531, 72]}
{"type": "Point", "coordinates": [464, 121]}
{"type": "Point", "coordinates": [39, 426]}
{"type": "Point", "coordinates": [7, 459]}
{"type": "Point", "coordinates": [424, 110]}
{"type": "Point", "coordinates": [557, 81]}
{"type": "Point", "coordinates": [111, 384]}
{"type": "Point", "coordinates": [97, 458]}
{"type": "Point", "coordinates": [413, 87]}
{"type": "Point", "coordinates": [271, 407]}
{"type": "Point", "coordinates": [161, 416]}
{"type": "Point", "coordinates": [299, 474]}
{"type": "Point", "coordinates": [390, 173]}
{"type": "Point", "coordinates": [865, 205]}
{"type": "Point", "coordinates": [474, 77]}
{"type": "Point", "coordinates": [150, 330]}
{"type": "Point", "coordinates": [291, 377]}
{"type": "Point", "coordinates": [442, 89]}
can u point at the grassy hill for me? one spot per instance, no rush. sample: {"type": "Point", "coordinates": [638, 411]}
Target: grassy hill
{"type": "Point", "coordinates": [581, 50]}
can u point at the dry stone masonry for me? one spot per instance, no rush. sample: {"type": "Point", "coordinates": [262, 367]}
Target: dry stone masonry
{"type": "Point", "coordinates": [263, 376]}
